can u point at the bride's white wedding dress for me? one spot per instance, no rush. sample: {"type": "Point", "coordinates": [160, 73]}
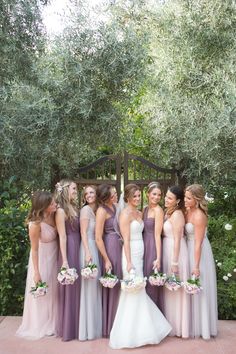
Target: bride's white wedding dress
{"type": "Point", "coordinates": [138, 320]}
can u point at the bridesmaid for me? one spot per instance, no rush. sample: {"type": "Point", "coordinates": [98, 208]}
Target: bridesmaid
{"type": "Point", "coordinates": [175, 261]}
{"type": "Point", "coordinates": [110, 247]}
{"type": "Point", "coordinates": [153, 217]}
{"type": "Point", "coordinates": [67, 221]}
{"type": "Point", "coordinates": [202, 265]}
{"type": "Point", "coordinates": [39, 317]}
{"type": "Point", "coordinates": [90, 324]}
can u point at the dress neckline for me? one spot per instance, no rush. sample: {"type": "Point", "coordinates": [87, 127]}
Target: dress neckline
{"type": "Point", "coordinates": [140, 223]}
{"type": "Point", "coordinates": [54, 227]}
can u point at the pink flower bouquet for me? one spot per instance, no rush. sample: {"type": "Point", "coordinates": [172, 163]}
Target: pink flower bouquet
{"type": "Point", "coordinates": [40, 289]}
{"type": "Point", "coordinates": [109, 280]}
{"type": "Point", "coordinates": [157, 279]}
{"type": "Point", "coordinates": [133, 285]}
{"type": "Point", "coordinates": [67, 276]}
{"type": "Point", "coordinates": [192, 286]}
{"type": "Point", "coordinates": [90, 271]}
{"type": "Point", "coordinates": [173, 283]}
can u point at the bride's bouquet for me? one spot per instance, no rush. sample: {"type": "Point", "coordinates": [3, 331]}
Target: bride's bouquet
{"type": "Point", "coordinates": [192, 286]}
{"type": "Point", "coordinates": [134, 283]}
{"type": "Point", "coordinates": [156, 278]}
{"type": "Point", "coordinates": [67, 276]}
{"type": "Point", "coordinates": [109, 280]}
{"type": "Point", "coordinates": [90, 271]}
{"type": "Point", "coordinates": [40, 289]}
{"type": "Point", "coordinates": [173, 283]}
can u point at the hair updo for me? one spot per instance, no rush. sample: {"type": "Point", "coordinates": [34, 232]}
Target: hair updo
{"type": "Point", "coordinates": [152, 186]}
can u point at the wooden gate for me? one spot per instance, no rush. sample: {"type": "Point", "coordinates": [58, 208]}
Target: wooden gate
{"type": "Point", "coordinates": [120, 170]}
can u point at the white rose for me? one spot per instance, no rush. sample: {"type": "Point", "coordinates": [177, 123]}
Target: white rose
{"type": "Point", "coordinates": [234, 270]}
{"type": "Point", "coordinates": [228, 227]}
{"type": "Point", "coordinates": [219, 264]}
{"type": "Point", "coordinates": [225, 278]}
{"type": "Point", "coordinates": [229, 275]}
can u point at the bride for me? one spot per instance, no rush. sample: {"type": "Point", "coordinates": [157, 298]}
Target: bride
{"type": "Point", "coordinates": [138, 320]}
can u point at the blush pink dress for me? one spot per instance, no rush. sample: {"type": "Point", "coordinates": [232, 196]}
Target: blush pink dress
{"type": "Point", "coordinates": [176, 303]}
{"type": "Point", "coordinates": [39, 316]}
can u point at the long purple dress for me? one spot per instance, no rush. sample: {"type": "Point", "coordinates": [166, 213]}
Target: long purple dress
{"type": "Point", "coordinates": [69, 295]}
{"type": "Point", "coordinates": [110, 297]}
{"type": "Point", "coordinates": [154, 292]}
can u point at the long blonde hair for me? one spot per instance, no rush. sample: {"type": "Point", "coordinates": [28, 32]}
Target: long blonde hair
{"type": "Point", "coordinates": [63, 200]}
{"type": "Point", "coordinates": [199, 195]}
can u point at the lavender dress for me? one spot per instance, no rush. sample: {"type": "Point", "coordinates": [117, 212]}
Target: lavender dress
{"type": "Point", "coordinates": [154, 292]}
{"type": "Point", "coordinates": [110, 297]}
{"type": "Point", "coordinates": [69, 295]}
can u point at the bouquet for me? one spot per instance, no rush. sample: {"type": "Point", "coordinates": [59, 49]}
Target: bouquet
{"type": "Point", "coordinates": [173, 283]}
{"type": "Point", "coordinates": [156, 278]}
{"type": "Point", "coordinates": [67, 276]}
{"type": "Point", "coordinates": [90, 271]}
{"type": "Point", "coordinates": [192, 286]}
{"type": "Point", "coordinates": [134, 283]}
{"type": "Point", "coordinates": [40, 289]}
{"type": "Point", "coordinates": [109, 280]}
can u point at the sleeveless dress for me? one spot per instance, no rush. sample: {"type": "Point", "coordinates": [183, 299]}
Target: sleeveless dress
{"type": "Point", "coordinates": [138, 320]}
{"type": "Point", "coordinates": [150, 255]}
{"type": "Point", "coordinates": [176, 303]}
{"type": "Point", "coordinates": [69, 295]}
{"type": "Point", "coordinates": [39, 316]}
{"type": "Point", "coordinates": [90, 322]}
{"type": "Point", "coordinates": [110, 297]}
{"type": "Point", "coordinates": [203, 305]}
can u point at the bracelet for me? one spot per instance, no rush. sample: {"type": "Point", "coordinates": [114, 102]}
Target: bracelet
{"type": "Point", "coordinates": [174, 263]}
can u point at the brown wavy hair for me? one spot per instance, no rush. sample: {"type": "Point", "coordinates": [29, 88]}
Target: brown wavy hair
{"type": "Point", "coordinates": [129, 191]}
{"type": "Point", "coordinates": [198, 194]}
{"type": "Point", "coordinates": [103, 193]}
{"type": "Point", "coordinates": [70, 207]}
{"type": "Point", "coordinates": [179, 193]}
{"type": "Point", "coordinates": [40, 201]}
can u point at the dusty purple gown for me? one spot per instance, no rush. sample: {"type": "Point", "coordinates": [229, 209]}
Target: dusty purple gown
{"type": "Point", "coordinates": [154, 292]}
{"type": "Point", "coordinates": [69, 295]}
{"type": "Point", "coordinates": [110, 297]}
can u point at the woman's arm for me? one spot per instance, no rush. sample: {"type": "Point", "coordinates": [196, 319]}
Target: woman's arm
{"type": "Point", "coordinates": [177, 221]}
{"type": "Point", "coordinates": [60, 224]}
{"type": "Point", "coordinates": [159, 219]}
{"type": "Point", "coordinates": [34, 234]}
{"type": "Point", "coordinates": [125, 233]}
{"type": "Point", "coordinates": [99, 229]}
{"type": "Point", "coordinates": [84, 223]}
{"type": "Point", "coordinates": [200, 222]}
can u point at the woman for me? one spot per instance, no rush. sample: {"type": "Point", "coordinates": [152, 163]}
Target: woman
{"type": "Point", "coordinates": [138, 320]}
{"type": "Point", "coordinates": [153, 217]}
{"type": "Point", "coordinates": [39, 316]}
{"type": "Point", "coordinates": [203, 305]}
{"type": "Point", "coordinates": [67, 221]}
{"type": "Point", "coordinates": [109, 245]}
{"type": "Point", "coordinates": [90, 324]}
{"type": "Point", "coordinates": [175, 261]}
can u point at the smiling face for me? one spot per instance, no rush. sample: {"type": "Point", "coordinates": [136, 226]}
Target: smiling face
{"type": "Point", "coordinates": [170, 200]}
{"type": "Point", "coordinates": [134, 200]}
{"type": "Point", "coordinates": [72, 191]}
{"type": "Point", "coordinates": [189, 200]}
{"type": "Point", "coordinates": [154, 196]}
{"type": "Point", "coordinates": [90, 195]}
{"type": "Point", "coordinates": [113, 197]}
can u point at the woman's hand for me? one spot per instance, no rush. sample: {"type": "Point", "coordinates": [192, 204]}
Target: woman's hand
{"type": "Point", "coordinates": [37, 278]}
{"type": "Point", "coordinates": [175, 269]}
{"type": "Point", "coordinates": [129, 266]}
{"type": "Point", "coordinates": [88, 257]}
{"type": "Point", "coordinates": [108, 266]}
{"type": "Point", "coordinates": [65, 265]}
{"type": "Point", "coordinates": [196, 272]}
{"type": "Point", "coordinates": [156, 265]}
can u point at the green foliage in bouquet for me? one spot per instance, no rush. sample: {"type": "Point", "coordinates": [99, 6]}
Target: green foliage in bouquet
{"type": "Point", "coordinates": [13, 248]}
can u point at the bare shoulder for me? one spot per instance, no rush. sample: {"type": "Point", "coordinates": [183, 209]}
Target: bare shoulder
{"type": "Point", "coordinates": [60, 213]}
{"type": "Point", "coordinates": [101, 212]}
{"type": "Point", "coordinates": [158, 211]}
{"type": "Point", "coordinates": [199, 218]}
{"type": "Point", "coordinates": [125, 215]}
{"type": "Point", "coordinates": [34, 226]}
{"type": "Point", "coordinates": [178, 216]}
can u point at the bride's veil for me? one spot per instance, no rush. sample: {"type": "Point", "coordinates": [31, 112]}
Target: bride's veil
{"type": "Point", "coordinates": [120, 206]}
